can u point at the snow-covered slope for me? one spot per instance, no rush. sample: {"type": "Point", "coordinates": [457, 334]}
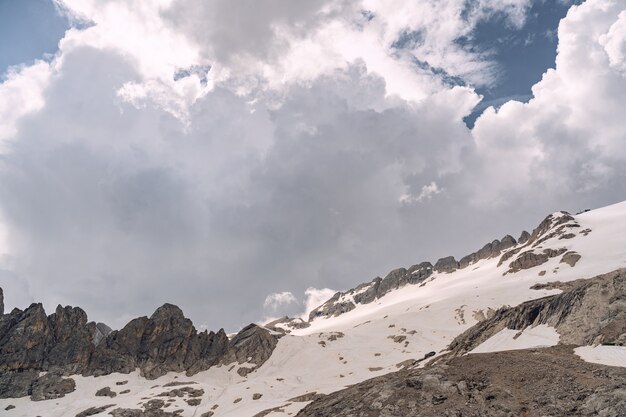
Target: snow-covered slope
{"type": "Point", "coordinates": [404, 325]}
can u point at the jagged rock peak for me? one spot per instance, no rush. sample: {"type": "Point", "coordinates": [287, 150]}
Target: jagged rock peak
{"type": "Point", "coordinates": [65, 343]}
{"type": "Point", "coordinates": [556, 225]}
{"type": "Point", "coordinates": [447, 264]}
{"type": "Point", "coordinates": [523, 238]}
{"type": "Point", "coordinates": [490, 250]}
{"type": "Point", "coordinates": [167, 310]}
{"type": "Point", "coordinates": [1, 302]}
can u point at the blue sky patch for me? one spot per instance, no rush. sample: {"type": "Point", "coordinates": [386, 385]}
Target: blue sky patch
{"type": "Point", "coordinates": [29, 30]}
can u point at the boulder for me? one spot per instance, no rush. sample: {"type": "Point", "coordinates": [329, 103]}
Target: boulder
{"type": "Point", "coordinates": [106, 392]}
{"type": "Point", "coordinates": [50, 386]}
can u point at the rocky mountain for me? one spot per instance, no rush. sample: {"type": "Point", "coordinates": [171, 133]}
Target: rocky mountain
{"type": "Point", "coordinates": [64, 343]}
{"type": "Point", "coordinates": [531, 326]}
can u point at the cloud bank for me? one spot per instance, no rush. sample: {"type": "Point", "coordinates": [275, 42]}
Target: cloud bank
{"type": "Point", "coordinates": [210, 154]}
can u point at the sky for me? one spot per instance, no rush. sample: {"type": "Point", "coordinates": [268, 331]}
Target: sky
{"type": "Point", "coordinates": [244, 160]}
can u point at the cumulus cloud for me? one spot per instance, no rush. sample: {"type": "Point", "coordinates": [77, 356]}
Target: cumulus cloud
{"type": "Point", "coordinates": [21, 94]}
{"type": "Point", "coordinates": [569, 139]}
{"type": "Point", "coordinates": [164, 158]}
{"type": "Point", "coordinates": [314, 297]}
{"type": "Point", "coordinates": [277, 300]}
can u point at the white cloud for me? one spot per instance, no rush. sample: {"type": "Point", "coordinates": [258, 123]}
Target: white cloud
{"type": "Point", "coordinates": [287, 160]}
{"type": "Point", "coordinates": [614, 42]}
{"type": "Point", "coordinates": [427, 192]}
{"type": "Point", "coordinates": [21, 93]}
{"type": "Point", "coordinates": [570, 136]}
{"type": "Point", "coordinates": [315, 297]}
{"type": "Point", "coordinates": [278, 300]}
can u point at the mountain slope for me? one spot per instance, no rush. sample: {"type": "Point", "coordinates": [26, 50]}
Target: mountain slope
{"type": "Point", "coordinates": [379, 328]}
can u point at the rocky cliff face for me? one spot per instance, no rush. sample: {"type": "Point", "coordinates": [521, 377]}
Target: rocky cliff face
{"type": "Point", "coordinates": [591, 311]}
{"type": "Point", "coordinates": [65, 343]}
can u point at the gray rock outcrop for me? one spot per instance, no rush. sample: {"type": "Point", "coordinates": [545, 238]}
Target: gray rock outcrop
{"type": "Point", "coordinates": [523, 238]}
{"type": "Point", "coordinates": [490, 250]}
{"type": "Point", "coordinates": [571, 258]}
{"type": "Point", "coordinates": [49, 387]}
{"type": "Point", "coordinates": [446, 265]}
{"type": "Point", "coordinates": [15, 384]}
{"type": "Point", "coordinates": [531, 259]}
{"type": "Point", "coordinates": [342, 302]}
{"type": "Point", "coordinates": [588, 311]}
{"type": "Point", "coordinates": [252, 344]}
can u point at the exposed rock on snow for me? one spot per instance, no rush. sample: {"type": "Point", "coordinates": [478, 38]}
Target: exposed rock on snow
{"type": "Point", "coordinates": [106, 392]}
{"type": "Point", "coordinates": [252, 344]}
{"type": "Point", "coordinates": [593, 311]}
{"type": "Point", "coordinates": [50, 386]}
{"type": "Point", "coordinates": [447, 264]}
{"type": "Point", "coordinates": [94, 410]}
{"type": "Point", "coordinates": [531, 259]}
{"type": "Point", "coordinates": [490, 250]}
{"type": "Point", "coordinates": [570, 258]}
{"type": "Point", "coordinates": [366, 293]}
{"type": "Point", "coordinates": [523, 238]}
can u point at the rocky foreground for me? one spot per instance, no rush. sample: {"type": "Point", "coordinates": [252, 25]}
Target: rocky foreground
{"type": "Point", "coordinates": [534, 382]}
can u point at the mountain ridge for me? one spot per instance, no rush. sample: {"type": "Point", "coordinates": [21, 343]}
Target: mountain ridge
{"type": "Point", "coordinates": [415, 318]}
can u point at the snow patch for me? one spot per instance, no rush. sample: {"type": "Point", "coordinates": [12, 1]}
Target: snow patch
{"type": "Point", "coordinates": [531, 337]}
{"type": "Point", "coordinates": [604, 355]}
